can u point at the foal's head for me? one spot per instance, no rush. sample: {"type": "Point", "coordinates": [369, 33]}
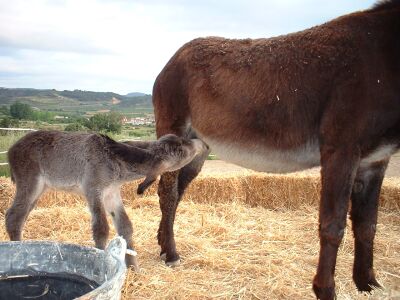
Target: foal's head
{"type": "Point", "coordinates": [171, 153]}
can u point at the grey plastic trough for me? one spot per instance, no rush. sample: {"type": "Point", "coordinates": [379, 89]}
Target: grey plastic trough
{"type": "Point", "coordinates": [106, 268]}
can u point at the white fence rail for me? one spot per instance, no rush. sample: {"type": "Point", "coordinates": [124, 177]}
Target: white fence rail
{"type": "Point", "coordinates": [13, 129]}
{"type": "Point", "coordinates": [18, 129]}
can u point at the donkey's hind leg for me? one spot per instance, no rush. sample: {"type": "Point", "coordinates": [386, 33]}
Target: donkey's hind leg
{"type": "Point", "coordinates": [100, 228]}
{"type": "Point", "coordinates": [114, 206]}
{"type": "Point", "coordinates": [339, 167]}
{"type": "Point", "coordinates": [364, 211]}
{"type": "Point", "coordinates": [26, 196]}
{"type": "Point", "coordinates": [171, 189]}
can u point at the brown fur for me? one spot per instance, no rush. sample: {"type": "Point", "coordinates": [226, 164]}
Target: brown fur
{"type": "Point", "coordinates": [337, 85]}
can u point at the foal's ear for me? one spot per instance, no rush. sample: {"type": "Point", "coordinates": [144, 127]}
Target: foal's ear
{"type": "Point", "coordinates": [148, 181]}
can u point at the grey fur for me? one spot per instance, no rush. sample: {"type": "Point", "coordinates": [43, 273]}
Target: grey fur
{"type": "Point", "coordinates": [95, 166]}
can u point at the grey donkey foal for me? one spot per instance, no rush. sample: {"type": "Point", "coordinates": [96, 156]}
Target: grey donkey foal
{"type": "Point", "coordinates": [95, 166]}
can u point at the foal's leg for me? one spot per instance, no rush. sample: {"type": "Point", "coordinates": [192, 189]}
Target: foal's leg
{"type": "Point", "coordinates": [26, 196]}
{"type": "Point", "coordinates": [171, 189]}
{"type": "Point", "coordinates": [364, 210]}
{"type": "Point", "coordinates": [100, 227]}
{"type": "Point", "coordinates": [338, 171]}
{"type": "Point", "coordinates": [114, 206]}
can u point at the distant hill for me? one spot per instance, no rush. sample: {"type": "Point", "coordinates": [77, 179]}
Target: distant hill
{"type": "Point", "coordinates": [135, 94]}
{"type": "Point", "coordinates": [76, 100]}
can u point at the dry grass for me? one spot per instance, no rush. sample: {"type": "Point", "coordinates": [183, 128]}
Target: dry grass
{"type": "Point", "coordinates": [239, 240]}
{"type": "Point", "coordinates": [255, 189]}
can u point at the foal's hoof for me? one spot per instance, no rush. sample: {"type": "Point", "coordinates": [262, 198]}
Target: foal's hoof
{"type": "Point", "coordinates": [327, 293]}
{"type": "Point", "coordinates": [173, 263]}
{"type": "Point", "coordinates": [131, 261]}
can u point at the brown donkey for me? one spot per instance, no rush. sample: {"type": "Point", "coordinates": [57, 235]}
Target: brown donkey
{"type": "Point", "coordinates": [328, 96]}
{"type": "Point", "coordinates": [95, 166]}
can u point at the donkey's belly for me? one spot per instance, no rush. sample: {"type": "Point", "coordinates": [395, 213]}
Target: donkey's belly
{"type": "Point", "coordinates": [264, 159]}
{"type": "Point", "coordinates": [65, 184]}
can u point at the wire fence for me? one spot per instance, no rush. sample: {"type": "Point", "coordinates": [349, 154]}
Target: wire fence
{"type": "Point", "coordinates": [13, 129]}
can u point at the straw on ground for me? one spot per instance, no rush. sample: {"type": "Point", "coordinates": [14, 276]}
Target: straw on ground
{"type": "Point", "coordinates": [241, 237]}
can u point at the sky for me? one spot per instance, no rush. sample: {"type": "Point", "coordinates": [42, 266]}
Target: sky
{"type": "Point", "coordinates": [122, 45]}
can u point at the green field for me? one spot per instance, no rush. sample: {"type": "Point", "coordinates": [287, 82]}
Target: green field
{"type": "Point", "coordinates": [137, 133]}
{"type": "Point", "coordinates": [76, 101]}
{"type": "Point", "coordinates": [62, 108]}
{"type": "Point", "coordinates": [7, 139]}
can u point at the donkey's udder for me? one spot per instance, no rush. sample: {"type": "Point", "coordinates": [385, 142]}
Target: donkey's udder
{"type": "Point", "coordinates": [266, 159]}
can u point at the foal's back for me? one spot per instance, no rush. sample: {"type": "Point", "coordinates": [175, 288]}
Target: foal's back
{"type": "Point", "coordinates": [60, 159]}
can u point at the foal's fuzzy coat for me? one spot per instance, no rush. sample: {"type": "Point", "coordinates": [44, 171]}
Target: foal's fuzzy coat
{"type": "Point", "coordinates": [93, 165]}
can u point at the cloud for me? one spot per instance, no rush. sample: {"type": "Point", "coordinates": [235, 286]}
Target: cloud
{"type": "Point", "coordinates": [122, 45]}
{"type": "Point", "coordinates": [36, 25]}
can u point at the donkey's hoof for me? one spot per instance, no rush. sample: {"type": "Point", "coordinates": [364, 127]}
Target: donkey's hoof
{"type": "Point", "coordinates": [368, 286]}
{"type": "Point", "coordinates": [163, 256]}
{"type": "Point", "coordinates": [326, 293]}
{"type": "Point", "coordinates": [365, 280]}
{"type": "Point", "coordinates": [173, 264]}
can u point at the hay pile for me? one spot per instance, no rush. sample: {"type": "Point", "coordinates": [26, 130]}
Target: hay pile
{"type": "Point", "coordinates": [237, 238]}
{"type": "Point", "coordinates": [291, 191]}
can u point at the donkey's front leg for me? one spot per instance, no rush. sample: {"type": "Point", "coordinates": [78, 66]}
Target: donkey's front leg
{"type": "Point", "coordinates": [338, 171]}
{"type": "Point", "coordinates": [186, 175]}
{"type": "Point", "coordinates": [364, 213]}
{"type": "Point", "coordinates": [169, 198]}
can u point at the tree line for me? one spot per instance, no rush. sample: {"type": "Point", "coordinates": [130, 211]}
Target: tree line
{"type": "Point", "coordinates": [104, 122]}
